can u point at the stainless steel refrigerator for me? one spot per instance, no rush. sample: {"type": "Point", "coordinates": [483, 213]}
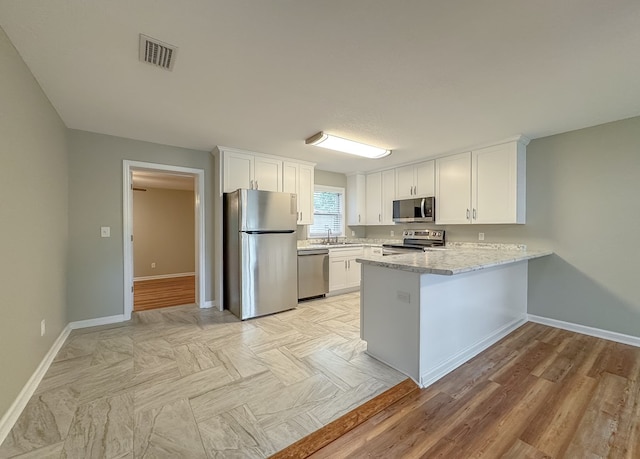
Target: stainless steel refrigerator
{"type": "Point", "coordinates": [260, 254]}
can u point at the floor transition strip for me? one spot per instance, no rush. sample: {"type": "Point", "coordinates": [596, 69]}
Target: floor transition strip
{"type": "Point", "coordinates": [334, 430]}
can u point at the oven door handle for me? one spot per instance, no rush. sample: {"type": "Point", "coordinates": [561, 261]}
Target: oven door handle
{"type": "Point", "coordinates": [424, 200]}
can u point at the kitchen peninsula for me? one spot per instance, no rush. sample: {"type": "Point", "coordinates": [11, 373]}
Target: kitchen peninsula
{"type": "Point", "coordinates": [427, 313]}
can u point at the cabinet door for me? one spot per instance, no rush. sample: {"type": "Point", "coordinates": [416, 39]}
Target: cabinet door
{"type": "Point", "coordinates": [290, 177]}
{"type": "Point", "coordinates": [337, 273]}
{"type": "Point", "coordinates": [374, 198]}
{"type": "Point", "coordinates": [425, 179]}
{"type": "Point", "coordinates": [238, 171]}
{"type": "Point", "coordinates": [388, 195]}
{"type": "Point", "coordinates": [353, 272]}
{"type": "Point", "coordinates": [405, 182]}
{"type": "Point", "coordinates": [291, 182]}
{"type": "Point", "coordinates": [356, 200]}
{"type": "Point", "coordinates": [267, 174]}
{"type": "Point", "coordinates": [305, 194]}
{"type": "Point", "coordinates": [453, 189]}
{"type": "Point", "coordinates": [495, 184]}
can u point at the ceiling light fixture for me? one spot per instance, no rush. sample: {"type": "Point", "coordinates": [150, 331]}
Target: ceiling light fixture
{"type": "Point", "coordinates": [346, 146]}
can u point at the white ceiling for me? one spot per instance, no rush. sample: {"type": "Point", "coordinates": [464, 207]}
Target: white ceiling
{"type": "Point", "coordinates": [420, 77]}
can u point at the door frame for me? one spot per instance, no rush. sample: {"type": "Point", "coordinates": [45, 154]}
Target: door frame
{"type": "Point", "coordinates": [127, 228]}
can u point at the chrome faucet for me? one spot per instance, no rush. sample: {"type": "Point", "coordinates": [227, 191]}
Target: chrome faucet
{"type": "Point", "coordinates": [328, 240]}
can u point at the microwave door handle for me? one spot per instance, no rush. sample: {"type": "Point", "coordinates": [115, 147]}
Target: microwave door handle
{"type": "Point", "coordinates": [424, 200]}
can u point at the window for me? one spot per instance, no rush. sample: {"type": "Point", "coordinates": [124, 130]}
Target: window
{"type": "Point", "coordinates": [328, 211]}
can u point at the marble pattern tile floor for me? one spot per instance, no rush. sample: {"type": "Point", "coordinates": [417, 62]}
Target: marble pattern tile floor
{"type": "Point", "coordinates": [198, 383]}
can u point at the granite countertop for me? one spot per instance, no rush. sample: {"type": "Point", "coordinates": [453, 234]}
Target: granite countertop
{"type": "Point", "coordinates": [451, 261]}
{"type": "Point", "coordinates": [343, 243]}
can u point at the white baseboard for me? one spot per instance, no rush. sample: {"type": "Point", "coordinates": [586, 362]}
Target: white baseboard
{"type": "Point", "coordinates": [585, 330]}
{"type": "Point", "coordinates": [95, 322]}
{"type": "Point", "coordinates": [209, 304]}
{"type": "Point", "coordinates": [163, 276]}
{"type": "Point", "coordinates": [466, 354]}
{"type": "Point", "coordinates": [15, 410]}
{"type": "Point", "coordinates": [342, 291]}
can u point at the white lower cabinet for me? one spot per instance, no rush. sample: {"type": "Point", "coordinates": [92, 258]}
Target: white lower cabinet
{"type": "Point", "coordinates": [344, 270]}
{"type": "Point", "coordinates": [372, 250]}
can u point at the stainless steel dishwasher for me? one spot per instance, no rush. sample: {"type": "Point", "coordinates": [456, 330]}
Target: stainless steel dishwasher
{"type": "Point", "coordinates": [313, 273]}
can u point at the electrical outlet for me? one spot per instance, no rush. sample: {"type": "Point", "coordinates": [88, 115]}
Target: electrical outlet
{"type": "Point", "coordinates": [353, 233]}
{"type": "Point", "coordinates": [43, 327]}
{"type": "Point", "coordinates": [153, 265]}
{"type": "Point", "coordinates": [105, 231]}
{"type": "Point", "coordinates": [405, 297]}
{"type": "Point", "coordinates": [393, 233]}
{"type": "Point", "coordinates": [481, 236]}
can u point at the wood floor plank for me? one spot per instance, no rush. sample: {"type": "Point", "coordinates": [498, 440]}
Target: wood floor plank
{"type": "Point", "coordinates": [339, 427]}
{"type": "Point", "coordinates": [538, 393]}
{"type": "Point", "coordinates": [160, 293]}
{"type": "Point", "coordinates": [556, 423]}
{"type": "Point", "coordinates": [522, 450]}
{"type": "Point", "coordinates": [599, 424]}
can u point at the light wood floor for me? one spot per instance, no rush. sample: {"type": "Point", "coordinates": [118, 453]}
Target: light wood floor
{"type": "Point", "coordinates": [539, 393]}
{"type": "Point", "coordinates": [160, 293]}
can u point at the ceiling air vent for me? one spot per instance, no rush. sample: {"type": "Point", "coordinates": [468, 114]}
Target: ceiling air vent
{"type": "Point", "coordinates": [157, 53]}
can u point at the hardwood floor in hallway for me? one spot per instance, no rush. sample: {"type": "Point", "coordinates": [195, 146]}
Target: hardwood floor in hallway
{"type": "Point", "coordinates": [160, 293]}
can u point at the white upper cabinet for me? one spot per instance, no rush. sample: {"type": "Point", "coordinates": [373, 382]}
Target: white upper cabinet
{"type": "Point", "coordinates": [453, 189]}
{"type": "Point", "coordinates": [374, 199]}
{"type": "Point", "coordinates": [244, 170]}
{"type": "Point", "coordinates": [257, 171]}
{"type": "Point", "coordinates": [485, 186]}
{"type": "Point", "coordinates": [425, 178]}
{"type": "Point", "coordinates": [267, 174]}
{"type": "Point", "coordinates": [499, 184]}
{"type": "Point", "coordinates": [415, 180]}
{"type": "Point", "coordinates": [381, 188]}
{"type": "Point", "coordinates": [298, 179]}
{"type": "Point", "coordinates": [356, 200]}
{"type": "Point", "coordinates": [238, 171]}
{"type": "Point", "coordinates": [388, 196]}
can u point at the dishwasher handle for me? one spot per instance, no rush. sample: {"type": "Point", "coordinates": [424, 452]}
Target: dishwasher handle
{"type": "Point", "coordinates": [306, 253]}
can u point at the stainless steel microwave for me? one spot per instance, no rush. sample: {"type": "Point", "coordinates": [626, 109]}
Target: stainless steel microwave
{"type": "Point", "coordinates": [414, 210]}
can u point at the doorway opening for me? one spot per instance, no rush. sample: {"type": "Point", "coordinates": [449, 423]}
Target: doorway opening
{"type": "Point", "coordinates": [163, 236]}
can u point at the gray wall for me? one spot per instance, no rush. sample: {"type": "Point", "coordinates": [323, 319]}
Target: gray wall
{"type": "Point", "coordinates": [327, 178]}
{"type": "Point", "coordinates": [33, 223]}
{"type": "Point", "coordinates": [96, 264]}
{"type": "Point", "coordinates": [582, 202]}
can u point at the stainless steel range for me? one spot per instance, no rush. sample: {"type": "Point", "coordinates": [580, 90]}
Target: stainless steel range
{"type": "Point", "coordinates": [415, 241]}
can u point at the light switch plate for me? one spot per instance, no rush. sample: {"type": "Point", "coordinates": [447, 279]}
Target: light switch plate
{"type": "Point", "coordinates": [105, 231]}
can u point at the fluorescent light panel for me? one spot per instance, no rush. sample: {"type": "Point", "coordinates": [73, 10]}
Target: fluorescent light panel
{"type": "Point", "coordinates": [346, 146]}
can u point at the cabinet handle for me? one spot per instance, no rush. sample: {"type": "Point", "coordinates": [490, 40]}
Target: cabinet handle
{"type": "Point", "coordinates": [345, 264]}
{"type": "Point", "coordinates": [251, 184]}
{"type": "Point", "coordinates": [467, 214]}
{"type": "Point", "coordinates": [358, 218]}
{"type": "Point", "coordinates": [257, 185]}
{"type": "Point", "coordinates": [349, 264]}
{"type": "Point", "coordinates": [379, 217]}
{"type": "Point", "coordinates": [474, 214]}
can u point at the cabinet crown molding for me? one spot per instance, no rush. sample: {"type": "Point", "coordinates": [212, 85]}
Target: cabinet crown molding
{"type": "Point", "coordinates": [520, 138]}
{"type": "Point", "coordinates": [222, 149]}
